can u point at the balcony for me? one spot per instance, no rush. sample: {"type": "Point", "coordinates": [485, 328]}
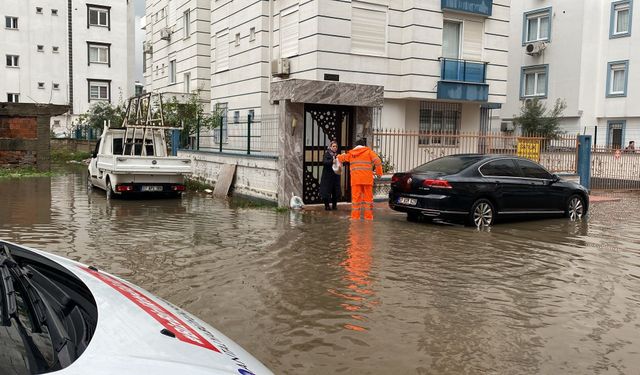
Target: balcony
{"type": "Point", "coordinates": [463, 80]}
{"type": "Point", "coordinates": [479, 7]}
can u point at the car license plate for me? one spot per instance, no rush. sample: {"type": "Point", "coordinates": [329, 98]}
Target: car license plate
{"type": "Point", "coordinates": [151, 188]}
{"type": "Point", "coordinates": [407, 201]}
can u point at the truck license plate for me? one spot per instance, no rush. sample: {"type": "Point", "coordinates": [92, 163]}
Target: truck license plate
{"type": "Point", "coordinates": [151, 188]}
{"type": "Point", "coordinates": [407, 201]}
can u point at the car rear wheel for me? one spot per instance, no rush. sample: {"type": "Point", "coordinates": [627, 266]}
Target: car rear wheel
{"type": "Point", "coordinates": [575, 207]}
{"type": "Point", "coordinates": [482, 213]}
{"type": "Point", "coordinates": [109, 190]}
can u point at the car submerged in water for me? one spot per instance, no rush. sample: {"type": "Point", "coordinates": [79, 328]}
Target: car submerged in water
{"type": "Point", "coordinates": [479, 189]}
{"type": "Point", "coordinates": [57, 315]}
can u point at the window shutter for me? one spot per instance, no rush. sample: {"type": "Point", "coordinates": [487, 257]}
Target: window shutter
{"type": "Point", "coordinates": [368, 28]}
{"type": "Point", "coordinates": [222, 51]}
{"type": "Point", "coordinates": [472, 44]}
{"type": "Point", "coordinates": [289, 32]}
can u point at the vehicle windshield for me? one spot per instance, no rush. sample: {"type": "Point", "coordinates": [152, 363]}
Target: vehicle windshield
{"type": "Point", "coordinates": [47, 316]}
{"type": "Point", "coordinates": [448, 164]}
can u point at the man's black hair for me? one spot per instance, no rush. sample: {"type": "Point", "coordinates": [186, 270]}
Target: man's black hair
{"type": "Point", "coordinates": [361, 142]}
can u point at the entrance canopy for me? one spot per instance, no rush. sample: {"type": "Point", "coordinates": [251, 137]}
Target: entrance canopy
{"type": "Point", "coordinates": [327, 92]}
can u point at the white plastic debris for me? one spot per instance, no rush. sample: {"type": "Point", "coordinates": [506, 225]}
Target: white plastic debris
{"type": "Point", "coordinates": [296, 202]}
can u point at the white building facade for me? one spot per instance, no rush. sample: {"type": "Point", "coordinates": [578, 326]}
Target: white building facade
{"type": "Point", "coordinates": [66, 52]}
{"type": "Point", "coordinates": [425, 54]}
{"type": "Point", "coordinates": [580, 51]}
{"type": "Point", "coordinates": [177, 50]}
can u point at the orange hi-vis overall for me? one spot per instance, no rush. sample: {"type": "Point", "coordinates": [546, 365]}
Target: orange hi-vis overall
{"type": "Point", "coordinates": [361, 162]}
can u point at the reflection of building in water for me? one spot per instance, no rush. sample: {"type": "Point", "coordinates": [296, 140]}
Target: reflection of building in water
{"type": "Point", "coordinates": [358, 266]}
{"type": "Point", "coordinates": [25, 201]}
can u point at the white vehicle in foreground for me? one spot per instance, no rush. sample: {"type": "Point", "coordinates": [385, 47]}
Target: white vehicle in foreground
{"type": "Point", "coordinates": [63, 316]}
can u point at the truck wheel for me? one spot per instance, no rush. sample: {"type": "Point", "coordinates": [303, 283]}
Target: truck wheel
{"type": "Point", "coordinates": [109, 190]}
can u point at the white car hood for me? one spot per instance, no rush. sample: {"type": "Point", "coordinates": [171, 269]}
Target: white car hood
{"type": "Point", "coordinates": [128, 338]}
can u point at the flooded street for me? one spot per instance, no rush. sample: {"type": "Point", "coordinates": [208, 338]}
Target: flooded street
{"type": "Point", "coordinates": [314, 293]}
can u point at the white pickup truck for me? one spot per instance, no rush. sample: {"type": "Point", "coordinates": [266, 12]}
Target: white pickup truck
{"type": "Point", "coordinates": [127, 161]}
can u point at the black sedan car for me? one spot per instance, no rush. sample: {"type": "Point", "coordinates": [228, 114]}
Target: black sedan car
{"type": "Point", "coordinates": [482, 188]}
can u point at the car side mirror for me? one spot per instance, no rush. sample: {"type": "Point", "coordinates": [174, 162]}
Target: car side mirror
{"type": "Point", "coordinates": [555, 178]}
{"type": "Point", "coordinates": [94, 155]}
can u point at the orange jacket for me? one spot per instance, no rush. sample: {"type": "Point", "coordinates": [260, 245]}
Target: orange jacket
{"type": "Point", "coordinates": [361, 162]}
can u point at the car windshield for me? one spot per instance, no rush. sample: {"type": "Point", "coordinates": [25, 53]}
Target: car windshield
{"type": "Point", "coordinates": [47, 316]}
{"type": "Point", "coordinates": [448, 164]}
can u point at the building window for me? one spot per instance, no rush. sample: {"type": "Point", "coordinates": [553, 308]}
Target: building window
{"type": "Point", "coordinates": [40, 48]}
{"type": "Point", "coordinates": [237, 39]}
{"type": "Point", "coordinates": [13, 60]}
{"type": "Point", "coordinates": [54, 12]}
{"type": "Point", "coordinates": [617, 73]}
{"type": "Point", "coordinates": [98, 16]}
{"type": "Point", "coordinates": [368, 28]}
{"type": "Point", "coordinates": [451, 39]}
{"type": "Point", "coordinates": [620, 25]}
{"type": "Point", "coordinates": [172, 71]}
{"type": "Point", "coordinates": [13, 97]}
{"type": "Point", "coordinates": [41, 85]}
{"type": "Point", "coordinates": [236, 117]}
{"type": "Point", "coordinates": [38, 10]}
{"type": "Point", "coordinates": [252, 34]}
{"type": "Point", "coordinates": [533, 81]}
{"type": "Point", "coordinates": [99, 90]}
{"type": "Point", "coordinates": [187, 82]}
{"type": "Point", "coordinates": [537, 26]}
{"type": "Point", "coordinates": [99, 53]}
{"type": "Point", "coordinates": [186, 23]}
{"type": "Point", "coordinates": [439, 123]}
{"type": "Point", "coordinates": [289, 32]}
{"type": "Point", "coordinates": [222, 51]}
{"type": "Point", "coordinates": [55, 49]}
{"type": "Point", "coordinates": [251, 114]}
{"type": "Point", "coordinates": [56, 86]}
{"type": "Point", "coordinates": [615, 134]}
{"type": "Point", "coordinates": [11, 22]}
{"type": "Point", "coordinates": [221, 110]}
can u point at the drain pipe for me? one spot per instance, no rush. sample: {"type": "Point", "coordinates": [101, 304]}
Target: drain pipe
{"type": "Point", "coordinates": [270, 52]}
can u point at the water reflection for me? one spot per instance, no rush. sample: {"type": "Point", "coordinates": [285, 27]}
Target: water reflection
{"type": "Point", "coordinates": [358, 294]}
{"type": "Point", "coordinates": [312, 292]}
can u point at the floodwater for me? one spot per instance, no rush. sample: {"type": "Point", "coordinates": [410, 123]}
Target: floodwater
{"type": "Point", "coordinates": [314, 293]}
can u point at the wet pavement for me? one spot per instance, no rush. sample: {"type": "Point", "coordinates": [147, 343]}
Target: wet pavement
{"type": "Point", "coordinates": [315, 293]}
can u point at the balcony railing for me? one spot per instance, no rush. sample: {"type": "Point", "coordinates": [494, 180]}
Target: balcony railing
{"type": "Point", "coordinates": [462, 70]}
{"type": "Point", "coordinates": [482, 7]}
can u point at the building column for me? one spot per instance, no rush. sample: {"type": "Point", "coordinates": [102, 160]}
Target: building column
{"type": "Point", "coordinates": [290, 160]}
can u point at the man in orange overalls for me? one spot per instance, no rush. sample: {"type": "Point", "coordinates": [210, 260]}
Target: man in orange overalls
{"type": "Point", "coordinates": [361, 162]}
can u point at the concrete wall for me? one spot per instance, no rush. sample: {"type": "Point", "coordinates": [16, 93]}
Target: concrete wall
{"type": "Point", "coordinates": [72, 145]}
{"type": "Point", "coordinates": [256, 177]}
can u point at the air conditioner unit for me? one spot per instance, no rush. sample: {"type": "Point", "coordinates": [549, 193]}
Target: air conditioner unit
{"type": "Point", "coordinates": [165, 33]}
{"type": "Point", "coordinates": [147, 47]}
{"type": "Point", "coordinates": [534, 48]}
{"type": "Point", "coordinates": [507, 126]}
{"type": "Point", "coordinates": [280, 67]}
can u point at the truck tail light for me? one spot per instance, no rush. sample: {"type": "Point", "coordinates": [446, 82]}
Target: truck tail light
{"type": "Point", "coordinates": [123, 188]}
{"type": "Point", "coordinates": [178, 188]}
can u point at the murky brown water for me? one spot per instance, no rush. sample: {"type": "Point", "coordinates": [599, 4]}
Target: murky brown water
{"type": "Point", "coordinates": [313, 293]}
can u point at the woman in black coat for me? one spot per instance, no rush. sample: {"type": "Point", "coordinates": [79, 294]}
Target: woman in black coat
{"type": "Point", "coordinates": [330, 181]}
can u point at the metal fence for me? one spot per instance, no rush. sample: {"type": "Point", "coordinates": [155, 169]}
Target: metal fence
{"type": "Point", "coordinates": [248, 135]}
{"type": "Point", "coordinates": [402, 150]}
{"type": "Point", "coordinates": [84, 132]}
{"type": "Point", "coordinates": [615, 169]}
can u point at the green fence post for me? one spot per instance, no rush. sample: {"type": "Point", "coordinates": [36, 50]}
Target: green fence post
{"type": "Point", "coordinates": [220, 139]}
{"type": "Point", "coordinates": [249, 134]}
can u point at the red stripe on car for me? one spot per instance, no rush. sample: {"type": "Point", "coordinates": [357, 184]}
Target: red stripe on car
{"type": "Point", "coordinates": [168, 320]}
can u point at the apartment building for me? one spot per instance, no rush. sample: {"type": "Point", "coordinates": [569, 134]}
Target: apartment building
{"type": "Point", "coordinates": [580, 51]}
{"type": "Point", "coordinates": [333, 69]}
{"type": "Point", "coordinates": [177, 52]}
{"type": "Point", "coordinates": [66, 52]}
